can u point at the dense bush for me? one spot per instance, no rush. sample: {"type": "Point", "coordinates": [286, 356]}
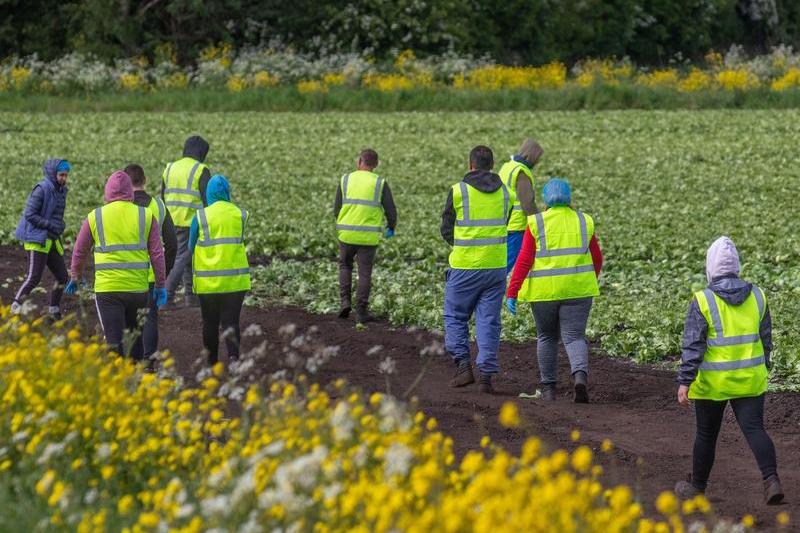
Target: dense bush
{"type": "Point", "coordinates": [515, 31]}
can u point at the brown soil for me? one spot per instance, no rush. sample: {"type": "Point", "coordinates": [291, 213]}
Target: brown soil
{"type": "Point", "coordinates": [632, 405]}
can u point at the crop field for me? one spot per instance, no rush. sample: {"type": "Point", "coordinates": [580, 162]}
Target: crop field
{"type": "Point", "coordinates": [660, 185]}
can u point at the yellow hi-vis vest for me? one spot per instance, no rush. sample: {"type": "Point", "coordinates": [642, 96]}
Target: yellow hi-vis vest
{"type": "Point", "coordinates": [182, 190]}
{"type": "Point", "coordinates": [509, 173]}
{"type": "Point", "coordinates": [562, 267]}
{"type": "Point", "coordinates": [481, 232]}
{"type": "Point", "coordinates": [734, 365]}
{"type": "Point", "coordinates": [361, 216]}
{"type": "Point", "coordinates": [220, 262]}
{"type": "Point", "coordinates": [121, 260]}
{"type": "Point", "coordinates": [156, 206]}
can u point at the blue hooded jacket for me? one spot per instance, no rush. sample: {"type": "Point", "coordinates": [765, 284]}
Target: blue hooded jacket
{"type": "Point", "coordinates": [218, 189]}
{"type": "Point", "coordinates": [43, 217]}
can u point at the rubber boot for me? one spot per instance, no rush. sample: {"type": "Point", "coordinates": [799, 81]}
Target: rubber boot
{"type": "Point", "coordinates": [549, 392]}
{"type": "Point", "coordinates": [581, 393]}
{"type": "Point", "coordinates": [344, 312]}
{"type": "Point", "coordinates": [362, 316]}
{"type": "Point", "coordinates": [463, 376]}
{"type": "Point", "coordinates": [773, 493]}
{"type": "Point", "coordinates": [485, 384]}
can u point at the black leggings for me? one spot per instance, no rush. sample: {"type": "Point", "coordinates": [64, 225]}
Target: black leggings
{"type": "Point", "coordinates": [750, 416]}
{"type": "Point", "coordinates": [54, 261]}
{"type": "Point", "coordinates": [222, 309]}
{"type": "Point", "coordinates": [120, 313]}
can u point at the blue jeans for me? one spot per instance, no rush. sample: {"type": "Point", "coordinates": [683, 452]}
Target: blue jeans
{"type": "Point", "coordinates": [480, 292]}
{"type": "Point", "coordinates": [514, 245]}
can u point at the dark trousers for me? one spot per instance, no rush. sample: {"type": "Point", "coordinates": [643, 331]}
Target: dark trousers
{"type": "Point", "coordinates": [150, 327]}
{"type": "Point", "coordinates": [119, 314]}
{"type": "Point", "coordinates": [54, 261]}
{"type": "Point", "coordinates": [750, 416]}
{"type": "Point", "coordinates": [221, 310]}
{"type": "Point", "coordinates": [365, 256]}
{"type": "Point", "coordinates": [182, 270]}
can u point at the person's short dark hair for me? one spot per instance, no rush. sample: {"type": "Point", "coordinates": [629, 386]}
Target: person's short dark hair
{"type": "Point", "coordinates": [481, 158]}
{"type": "Point", "coordinates": [369, 157]}
{"type": "Point", "coordinates": [136, 173]}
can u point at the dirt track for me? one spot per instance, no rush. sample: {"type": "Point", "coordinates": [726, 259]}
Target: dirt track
{"type": "Point", "coordinates": [634, 406]}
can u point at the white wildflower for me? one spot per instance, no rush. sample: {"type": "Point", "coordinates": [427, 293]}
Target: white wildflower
{"type": "Point", "coordinates": [287, 330]}
{"type": "Point", "coordinates": [397, 460]}
{"type": "Point", "coordinates": [253, 330]}
{"type": "Point", "coordinates": [103, 452]}
{"type": "Point", "coordinates": [388, 366]}
{"type": "Point", "coordinates": [374, 350]}
{"type": "Point", "coordinates": [342, 422]}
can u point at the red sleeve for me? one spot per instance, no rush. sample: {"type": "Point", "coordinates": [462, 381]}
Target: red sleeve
{"type": "Point", "coordinates": [597, 255]}
{"type": "Point", "coordinates": [156, 250]}
{"type": "Point", "coordinates": [523, 265]}
{"type": "Point", "coordinates": [81, 249]}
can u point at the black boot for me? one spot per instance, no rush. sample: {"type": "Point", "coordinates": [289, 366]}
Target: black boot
{"type": "Point", "coordinates": [485, 386]}
{"type": "Point", "coordinates": [344, 312]}
{"type": "Point", "coordinates": [463, 376]}
{"type": "Point", "coordinates": [549, 392]}
{"type": "Point", "coordinates": [362, 316]}
{"type": "Point", "coordinates": [581, 393]}
{"type": "Point", "coordinates": [686, 491]}
{"type": "Point", "coordinates": [773, 493]}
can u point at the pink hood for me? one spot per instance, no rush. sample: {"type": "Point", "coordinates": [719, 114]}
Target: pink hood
{"type": "Point", "coordinates": [118, 187]}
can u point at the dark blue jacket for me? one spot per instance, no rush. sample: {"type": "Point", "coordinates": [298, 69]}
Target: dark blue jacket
{"type": "Point", "coordinates": [734, 291]}
{"type": "Point", "coordinates": [43, 217]}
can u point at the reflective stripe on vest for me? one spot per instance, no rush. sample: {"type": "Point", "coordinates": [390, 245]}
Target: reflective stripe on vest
{"type": "Point", "coordinates": [159, 210]}
{"type": "Point", "coordinates": [733, 364]}
{"type": "Point", "coordinates": [183, 198]}
{"type": "Point", "coordinates": [480, 233]}
{"type": "Point", "coordinates": [120, 231]}
{"type": "Point", "coordinates": [509, 173]}
{"type": "Point", "coordinates": [563, 268]}
{"type": "Point", "coordinates": [359, 220]}
{"type": "Point", "coordinates": [220, 260]}
{"type": "Point", "coordinates": [208, 241]}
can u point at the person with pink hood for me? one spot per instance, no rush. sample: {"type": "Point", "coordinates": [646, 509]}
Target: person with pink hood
{"type": "Point", "coordinates": [126, 241]}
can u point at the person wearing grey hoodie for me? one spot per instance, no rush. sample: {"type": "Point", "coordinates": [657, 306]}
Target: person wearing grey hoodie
{"type": "Point", "coordinates": [729, 364]}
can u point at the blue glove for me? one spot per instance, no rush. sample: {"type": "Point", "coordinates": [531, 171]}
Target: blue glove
{"type": "Point", "coordinates": [389, 233]}
{"type": "Point", "coordinates": [160, 296]}
{"type": "Point", "coordinates": [72, 287]}
{"type": "Point", "coordinates": [511, 303]}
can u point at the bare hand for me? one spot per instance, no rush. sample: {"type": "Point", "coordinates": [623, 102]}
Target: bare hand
{"type": "Point", "coordinates": [683, 395]}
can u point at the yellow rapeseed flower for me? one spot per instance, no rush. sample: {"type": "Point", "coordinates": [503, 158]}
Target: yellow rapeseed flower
{"type": "Point", "coordinates": [509, 415]}
{"type": "Point", "coordinates": [667, 503]}
{"type": "Point", "coordinates": [782, 518]}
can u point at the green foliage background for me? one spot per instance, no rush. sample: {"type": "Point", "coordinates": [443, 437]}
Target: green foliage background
{"type": "Point", "coordinates": [515, 31]}
{"type": "Point", "coordinates": [660, 185]}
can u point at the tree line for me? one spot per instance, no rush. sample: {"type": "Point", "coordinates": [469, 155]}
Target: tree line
{"type": "Point", "coordinates": [650, 32]}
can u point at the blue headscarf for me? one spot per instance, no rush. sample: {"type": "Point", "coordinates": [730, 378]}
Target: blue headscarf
{"type": "Point", "coordinates": [218, 189]}
{"type": "Point", "coordinates": [556, 192]}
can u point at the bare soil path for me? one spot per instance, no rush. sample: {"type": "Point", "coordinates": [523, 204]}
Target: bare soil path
{"type": "Point", "coordinates": [634, 406]}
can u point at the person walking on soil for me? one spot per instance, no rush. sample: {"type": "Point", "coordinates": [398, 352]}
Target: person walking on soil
{"type": "Point", "coordinates": [126, 239]}
{"type": "Point", "coordinates": [557, 271]}
{"type": "Point", "coordinates": [168, 239]}
{"type": "Point", "coordinates": [40, 230]}
{"type": "Point", "coordinates": [475, 224]}
{"type": "Point", "coordinates": [517, 175]}
{"type": "Point", "coordinates": [727, 341]}
{"type": "Point", "coordinates": [220, 267]}
{"type": "Point", "coordinates": [362, 200]}
{"type": "Point", "coordinates": [183, 190]}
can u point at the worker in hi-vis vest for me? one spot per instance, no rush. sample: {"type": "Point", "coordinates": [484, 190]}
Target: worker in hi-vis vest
{"type": "Point", "coordinates": [727, 341]}
{"type": "Point", "coordinates": [517, 175]}
{"type": "Point", "coordinates": [220, 268]}
{"type": "Point", "coordinates": [363, 199]}
{"type": "Point", "coordinates": [126, 240]}
{"type": "Point", "coordinates": [183, 190]}
{"type": "Point", "coordinates": [475, 224]}
{"type": "Point", "coordinates": [556, 271]}
{"type": "Point", "coordinates": [170, 242]}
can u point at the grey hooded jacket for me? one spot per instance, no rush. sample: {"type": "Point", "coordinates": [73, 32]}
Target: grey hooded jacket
{"type": "Point", "coordinates": [722, 271]}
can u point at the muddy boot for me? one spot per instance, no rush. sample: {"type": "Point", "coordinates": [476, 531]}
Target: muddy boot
{"type": "Point", "coordinates": [773, 493]}
{"type": "Point", "coordinates": [463, 375]}
{"type": "Point", "coordinates": [344, 312]}
{"type": "Point", "coordinates": [363, 317]}
{"type": "Point", "coordinates": [485, 384]}
{"type": "Point", "coordinates": [549, 392]}
{"type": "Point", "coordinates": [581, 394]}
{"type": "Point", "coordinates": [686, 491]}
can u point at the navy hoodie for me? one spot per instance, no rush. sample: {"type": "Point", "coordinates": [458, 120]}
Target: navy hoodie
{"type": "Point", "coordinates": [483, 180]}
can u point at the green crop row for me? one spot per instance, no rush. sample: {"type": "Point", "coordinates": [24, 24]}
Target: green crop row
{"type": "Point", "coordinates": [661, 186]}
